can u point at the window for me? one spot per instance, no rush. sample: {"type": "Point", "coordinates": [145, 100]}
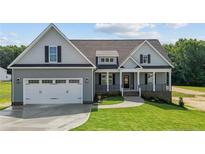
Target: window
{"type": "Point", "coordinates": [52, 54]}
{"type": "Point", "coordinates": [104, 79]}
{"type": "Point", "coordinates": [74, 81]}
{"type": "Point", "coordinates": [33, 81]}
{"type": "Point", "coordinates": [60, 81]}
{"type": "Point", "coordinates": [145, 58]}
{"type": "Point", "coordinates": [107, 60]}
{"type": "Point", "coordinates": [47, 81]}
{"type": "Point", "coordinates": [149, 77]}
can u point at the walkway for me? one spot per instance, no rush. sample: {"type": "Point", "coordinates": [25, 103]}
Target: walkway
{"type": "Point", "coordinates": [131, 101]}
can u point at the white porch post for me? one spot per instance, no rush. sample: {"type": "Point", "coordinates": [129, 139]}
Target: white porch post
{"type": "Point", "coordinates": [153, 82]}
{"type": "Point", "coordinates": [120, 81]}
{"type": "Point", "coordinates": [170, 81]}
{"type": "Point", "coordinates": [138, 80]}
{"type": "Point", "coordinates": [135, 81]}
{"type": "Point", "coordinates": [107, 81]}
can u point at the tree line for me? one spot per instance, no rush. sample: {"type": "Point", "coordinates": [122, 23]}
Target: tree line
{"type": "Point", "coordinates": [187, 56]}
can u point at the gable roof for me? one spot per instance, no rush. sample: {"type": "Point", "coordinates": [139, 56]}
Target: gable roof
{"type": "Point", "coordinates": [40, 36]}
{"type": "Point", "coordinates": [124, 47]}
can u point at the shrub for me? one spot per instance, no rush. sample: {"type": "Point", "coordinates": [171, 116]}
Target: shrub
{"type": "Point", "coordinates": [181, 102]}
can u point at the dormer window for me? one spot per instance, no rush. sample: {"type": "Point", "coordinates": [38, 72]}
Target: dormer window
{"type": "Point", "coordinates": [107, 57]}
{"type": "Point", "coordinates": [107, 60]}
{"type": "Point", "coordinates": [52, 54]}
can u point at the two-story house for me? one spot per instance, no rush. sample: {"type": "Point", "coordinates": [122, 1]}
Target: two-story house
{"type": "Point", "coordinates": [54, 69]}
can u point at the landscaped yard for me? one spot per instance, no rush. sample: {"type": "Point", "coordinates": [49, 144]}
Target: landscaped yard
{"type": "Point", "coordinates": [149, 116]}
{"type": "Point", "coordinates": [112, 100]}
{"type": "Point", "coordinates": [5, 94]}
{"type": "Point", "coordinates": [201, 89]}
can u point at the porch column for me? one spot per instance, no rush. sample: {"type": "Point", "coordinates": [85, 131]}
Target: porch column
{"type": "Point", "coordinates": [120, 81]}
{"type": "Point", "coordinates": [135, 81]}
{"type": "Point", "coordinates": [153, 82]}
{"type": "Point", "coordinates": [107, 81]}
{"type": "Point", "coordinates": [170, 81]}
{"type": "Point", "coordinates": [138, 80]}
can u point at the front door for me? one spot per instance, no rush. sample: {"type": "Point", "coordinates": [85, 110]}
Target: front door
{"type": "Point", "coordinates": [126, 81]}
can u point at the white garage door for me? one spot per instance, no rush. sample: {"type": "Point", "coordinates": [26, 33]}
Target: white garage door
{"type": "Point", "coordinates": [53, 91]}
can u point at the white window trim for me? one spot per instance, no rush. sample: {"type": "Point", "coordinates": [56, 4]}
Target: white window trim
{"type": "Point", "coordinates": [49, 54]}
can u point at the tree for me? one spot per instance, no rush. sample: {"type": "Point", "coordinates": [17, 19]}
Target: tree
{"type": "Point", "coordinates": [9, 53]}
{"type": "Point", "coordinates": [188, 57]}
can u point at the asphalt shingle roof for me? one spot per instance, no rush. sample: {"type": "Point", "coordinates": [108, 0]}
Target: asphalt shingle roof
{"type": "Point", "coordinates": [124, 47]}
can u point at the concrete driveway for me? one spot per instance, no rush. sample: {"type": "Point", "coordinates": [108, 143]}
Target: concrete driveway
{"type": "Point", "coordinates": [44, 117]}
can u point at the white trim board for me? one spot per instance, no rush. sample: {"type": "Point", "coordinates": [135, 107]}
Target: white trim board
{"type": "Point", "coordinates": [51, 67]}
{"type": "Point", "coordinates": [138, 47]}
{"type": "Point", "coordinates": [40, 36]}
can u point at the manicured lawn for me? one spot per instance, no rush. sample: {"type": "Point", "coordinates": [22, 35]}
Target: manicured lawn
{"type": "Point", "coordinates": [5, 94]}
{"type": "Point", "coordinates": [201, 89]}
{"type": "Point", "coordinates": [178, 94]}
{"type": "Point", "coordinates": [112, 100]}
{"type": "Point", "coordinates": [149, 116]}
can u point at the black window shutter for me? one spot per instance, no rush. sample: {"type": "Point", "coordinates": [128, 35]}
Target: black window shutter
{"type": "Point", "coordinates": [96, 60]}
{"type": "Point", "coordinates": [59, 53]}
{"type": "Point", "coordinates": [149, 58]}
{"type": "Point", "coordinates": [99, 78]}
{"type": "Point", "coordinates": [145, 78]}
{"type": "Point", "coordinates": [113, 79]}
{"type": "Point", "coordinates": [141, 59]}
{"type": "Point", "coordinates": [46, 54]}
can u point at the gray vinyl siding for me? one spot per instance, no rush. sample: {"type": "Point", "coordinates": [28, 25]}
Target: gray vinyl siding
{"type": "Point", "coordinates": [51, 73]}
{"type": "Point", "coordinates": [36, 54]}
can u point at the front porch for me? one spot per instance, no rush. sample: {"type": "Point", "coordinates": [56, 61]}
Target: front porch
{"type": "Point", "coordinates": [135, 81]}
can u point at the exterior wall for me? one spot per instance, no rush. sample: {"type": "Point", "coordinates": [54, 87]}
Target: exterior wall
{"type": "Point", "coordinates": [155, 57]}
{"type": "Point", "coordinates": [51, 73]}
{"type": "Point", "coordinates": [52, 38]}
{"type": "Point", "coordinates": [130, 64]}
{"type": "Point", "coordinates": [161, 78]}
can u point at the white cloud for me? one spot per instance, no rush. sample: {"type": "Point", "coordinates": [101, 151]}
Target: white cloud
{"type": "Point", "coordinates": [13, 34]}
{"type": "Point", "coordinates": [9, 39]}
{"type": "Point", "coordinates": [177, 25]}
{"type": "Point", "coordinates": [127, 30]}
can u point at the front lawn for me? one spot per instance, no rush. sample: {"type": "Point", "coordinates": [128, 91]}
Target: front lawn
{"type": "Point", "coordinates": [112, 100]}
{"type": "Point", "coordinates": [178, 94]}
{"type": "Point", "coordinates": [149, 116]}
{"type": "Point", "coordinates": [201, 89]}
{"type": "Point", "coordinates": [5, 94]}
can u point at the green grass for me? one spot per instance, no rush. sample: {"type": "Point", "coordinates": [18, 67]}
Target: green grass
{"type": "Point", "coordinates": [112, 100]}
{"type": "Point", "coordinates": [178, 94]}
{"type": "Point", "coordinates": [201, 89]}
{"type": "Point", "coordinates": [5, 94]}
{"type": "Point", "coordinates": [149, 116]}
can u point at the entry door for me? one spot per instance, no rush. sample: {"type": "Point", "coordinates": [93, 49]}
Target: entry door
{"type": "Point", "coordinates": [126, 81]}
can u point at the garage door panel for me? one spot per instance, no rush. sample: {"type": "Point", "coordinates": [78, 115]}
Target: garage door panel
{"type": "Point", "coordinates": [56, 93]}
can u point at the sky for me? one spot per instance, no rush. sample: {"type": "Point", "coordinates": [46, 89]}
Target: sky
{"type": "Point", "coordinates": [24, 34]}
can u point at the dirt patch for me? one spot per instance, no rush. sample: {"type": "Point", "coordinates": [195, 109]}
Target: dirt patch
{"type": "Point", "coordinates": [186, 91]}
{"type": "Point", "coordinates": [197, 102]}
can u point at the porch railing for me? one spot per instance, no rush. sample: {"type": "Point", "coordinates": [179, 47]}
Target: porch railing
{"type": "Point", "coordinates": [158, 87]}
{"type": "Point", "coordinates": [103, 88]}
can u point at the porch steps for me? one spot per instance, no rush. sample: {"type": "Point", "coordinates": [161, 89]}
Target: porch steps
{"type": "Point", "coordinates": [130, 93]}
